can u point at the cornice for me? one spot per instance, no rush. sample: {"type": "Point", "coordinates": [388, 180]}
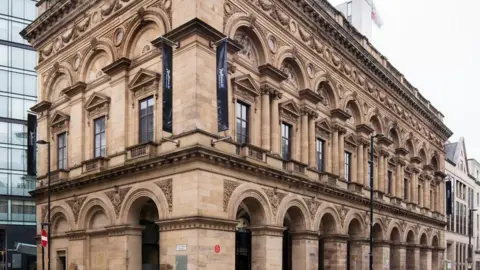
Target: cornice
{"type": "Point", "coordinates": [348, 41]}
{"type": "Point", "coordinates": [197, 222]}
{"type": "Point", "coordinates": [211, 155]}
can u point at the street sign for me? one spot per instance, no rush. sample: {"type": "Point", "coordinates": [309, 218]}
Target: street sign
{"type": "Point", "coordinates": [44, 238]}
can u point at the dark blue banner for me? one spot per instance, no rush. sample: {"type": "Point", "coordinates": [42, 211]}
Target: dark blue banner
{"type": "Point", "coordinates": [222, 86]}
{"type": "Point", "coordinates": [167, 97]}
{"type": "Point", "coordinates": [32, 145]}
{"type": "Point", "coordinates": [448, 191]}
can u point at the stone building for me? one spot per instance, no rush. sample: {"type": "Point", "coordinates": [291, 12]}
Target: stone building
{"type": "Point", "coordinates": [286, 187]}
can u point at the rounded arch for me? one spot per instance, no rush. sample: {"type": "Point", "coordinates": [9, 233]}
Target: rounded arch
{"type": "Point", "coordinates": [377, 232]}
{"type": "Point", "coordinates": [137, 197]}
{"type": "Point", "coordinates": [351, 107]}
{"type": "Point", "coordinates": [395, 235]}
{"type": "Point", "coordinates": [410, 237]}
{"type": "Point", "coordinates": [58, 80]}
{"type": "Point", "coordinates": [350, 217]}
{"type": "Point", "coordinates": [150, 16]}
{"type": "Point", "coordinates": [58, 215]}
{"type": "Point", "coordinates": [325, 87]}
{"type": "Point", "coordinates": [376, 124]}
{"type": "Point", "coordinates": [355, 228]}
{"type": "Point", "coordinates": [410, 147]}
{"type": "Point", "coordinates": [423, 239]}
{"type": "Point", "coordinates": [423, 156]}
{"type": "Point", "coordinates": [99, 56]}
{"type": "Point", "coordinates": [289, 62]}
{"type": "Point", "coordinates": [240, 23]}
{"type": "Point", "coordinates": [297, 210]}
{"type": "Point", "coordinates": [252, 196]}
{"type": "Point", "coordinates": [434, 163]}
{"type": "Point", "coordinates": [327, 220]}
{"type": "Point", "coordinates": [154, 22]}
{"type": "Point", "coordinates": [394, 135]}
{"type": "Point", "coordinates": [435, 241]}
{"type": "Point", "coordinates": [92, 208]}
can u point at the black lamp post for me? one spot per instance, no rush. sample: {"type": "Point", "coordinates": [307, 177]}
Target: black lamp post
{"type": "Point", "coordinates": [371, 199]}
{"type": "Point", "coordinates": [42, 142]}
{"type": "Point", "coordinates": [470, 232]}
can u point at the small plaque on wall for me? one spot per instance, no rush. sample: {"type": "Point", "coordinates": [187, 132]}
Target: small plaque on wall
{"type": "Point", "coordinates": [181, 262]}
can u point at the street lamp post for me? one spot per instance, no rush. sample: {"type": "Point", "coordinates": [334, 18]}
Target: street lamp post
{"type": "Point", "coordinates": [371, 199]}
{"type": "Point", "coordinates": [470, 232]}
{"type": "Point", "coordinates": [42, 142]}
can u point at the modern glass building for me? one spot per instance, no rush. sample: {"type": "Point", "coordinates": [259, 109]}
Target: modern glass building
{"type": "Point", "coordinates": [18, 92]}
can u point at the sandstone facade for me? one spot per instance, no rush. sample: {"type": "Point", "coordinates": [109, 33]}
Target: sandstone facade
{"type": "Point", "coordinates": [185, 198]}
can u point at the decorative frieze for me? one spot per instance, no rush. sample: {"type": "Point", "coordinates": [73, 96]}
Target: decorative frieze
{"type": "Point", "coordinates": [228, 188]}
{"type": "Point", "coordinates": [191, 223]}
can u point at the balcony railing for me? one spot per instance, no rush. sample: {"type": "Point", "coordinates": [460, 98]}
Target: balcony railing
{"type": "Point", "coordinates": [144, 150]}
{"type": "Point", "coordinates": [251, 151]}
{"type": "Point", "coordinates": [95, 165]}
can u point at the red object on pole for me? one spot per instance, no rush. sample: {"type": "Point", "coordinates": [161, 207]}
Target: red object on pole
{"type": "Point", "coordinates": [44, 238]}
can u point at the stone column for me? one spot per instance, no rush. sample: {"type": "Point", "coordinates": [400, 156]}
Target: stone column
{"type": "Point", "coordinates": [275, 126]}
{"type": "Point", "coordinates": [421, 197]}
{"type": "Point", "coordinates": [381, 173]}
{"type": "Point", "coordinates": [398, 180]}
{"type": "Point", "coordinates": [414, 185]}
{"type": "Point", "coordinates": [376, 167]}
{"type": "Point", "coordinates": [304, 251]}
{"type": "Point", "coordinates": [354, 169]}
{"type": "Point", "coordinates": [410, 261]}
{"type": "Point", "coordinates": [265, 141]}
{"type": "Point", "coordinates": [397, 256]}
{"type": "Point", "coordinates": [441, 196]}
{"type": "Point", "coordinates": [426, 193]}
{"type": "Point", "coordinates": [359, 254]}
{"type": "Point", "coordinates": [437, 259]}
{"type": "Point", "coordinates": [267, 247]}
{"type": "Point", "coordinates": [381, 255]}
{"type": "Point", "coordinates": [360, 159]}
{"type": "Point", "coordinates": [416, 252]}
{"type": "Point", "coordinates": [426, 258]}
{"type": "Point", "coordinates": [329, 156]}
{"type": "Point", "coordinates": [335, 253]}
{"type": "Point", "coordinates": [312, 141]}
{"type": "Point", "coordinates": [335, 159]}
{"type": "Point", "coordinates": [341, 150]}
{"type": "Point", "coordinates": [304, 138]}
{"type": "Point", "coordinates": [394, 184]}
{"type": "Point", "coordinates": [366, 158]}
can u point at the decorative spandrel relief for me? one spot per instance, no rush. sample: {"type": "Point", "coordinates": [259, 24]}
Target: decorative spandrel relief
{"type": "Point", "coordinates": [228, 188]}
{"type": "Point", "coordinates": [342, 212]}
{"type": "Point", "coordinates": [313, 206]}
{"type": "Point", "coordinates": [76, 204]}
{"type": "Point", "coordinates": [116, 197]}
{"type": "Point", "coordinates": [167, 187]}
{"type": "Point", "coordinates": [274, 197]}
{"type": "Point", "coordinates": [43, 213]}
{"type": "Point", "coordinates": [248, 50]}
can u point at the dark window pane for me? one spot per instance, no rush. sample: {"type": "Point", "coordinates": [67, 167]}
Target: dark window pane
{"type": "Point", "coordinates": [286, 141]}
{"type": "Point", "coordinates": [146, 121]}
{"type": "Point", "coordinates": [99, 140]}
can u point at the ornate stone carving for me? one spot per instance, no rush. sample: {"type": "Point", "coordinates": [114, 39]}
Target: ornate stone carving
{"type": "Point", "coordinates": [313, 206]}
{"type": "Point", "coordinates": [403, 225]}
{"type": "Point", "coordinates": [76, 204]}
{"type": "Point", "coordinates": [116, 197]}
{"type": "Point", "coordinates": [386, 221]}
{"type": "Point", "coordinates": [228, 188]}
{"type": "Point", "coordinates": [288, 69]}
{"type": "Point", "coordinates": [167, 187]}
{"type": "Point", "coordinates": [43, 213]}
{"type": "Point", "coordinates": [247, 50]}
{"type": "Point", "coordinates": [342, 212]}
{"type": "Point", "coordinates": [274, 197]}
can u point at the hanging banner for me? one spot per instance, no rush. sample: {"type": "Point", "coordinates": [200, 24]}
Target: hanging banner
{"type": "Point", "coordinates": [167, 113]}
{"type": "Point", "coordinates": [222, 86]}
{"type": "Point", "coordinates": [448, 191]}
{"type": "Point", "coordinates": [32, 145]}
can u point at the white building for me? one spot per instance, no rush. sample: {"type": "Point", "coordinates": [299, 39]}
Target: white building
{"type": "Point", "coordinates": [464, 197]}
{"type": "Point", "coordinates": [474, 170]}
{"type": "Point", "coordinates": [361, 14]}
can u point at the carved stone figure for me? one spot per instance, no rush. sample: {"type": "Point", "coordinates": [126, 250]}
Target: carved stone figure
{"type": "Point", "coordinates": [288, 69]}
{"type": "Point", "coordinates": [247, 44]}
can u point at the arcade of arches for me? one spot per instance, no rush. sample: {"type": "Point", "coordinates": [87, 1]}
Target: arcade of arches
{"type": "Point", "coordinates": [286, 187]}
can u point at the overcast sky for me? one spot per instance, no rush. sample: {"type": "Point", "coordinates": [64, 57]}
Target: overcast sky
{"type": "Point", "coordinates": [436, 45]}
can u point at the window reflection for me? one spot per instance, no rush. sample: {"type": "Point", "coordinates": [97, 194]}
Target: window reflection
{"type": "Point", "coordinates": [3, 158]}
{"type": "Point", "coordinates": [19, 157]}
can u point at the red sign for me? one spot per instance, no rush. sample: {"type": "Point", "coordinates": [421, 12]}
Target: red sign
{"type": "Point", "coordinates": [44, 238]}
{"type": "Point", "coordinates": [217, 249]}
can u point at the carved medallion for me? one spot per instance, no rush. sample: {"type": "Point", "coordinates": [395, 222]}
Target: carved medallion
{"type": "Point", "coordinates": [228, 188]}
{"type": "Point", "coordinates": [167, 187]}
{"type": "Point", "coordinates": [116, 197]}
{"type": "Point", "coordinates": [76, 204]}
{"type": "Point", "coordinates": [272, 43]}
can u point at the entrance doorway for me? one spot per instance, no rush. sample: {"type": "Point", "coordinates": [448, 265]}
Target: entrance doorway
{"type": "Point", "coordinates": [243, 245]}
{"type": "Point", "coordinates": [150, 236]}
